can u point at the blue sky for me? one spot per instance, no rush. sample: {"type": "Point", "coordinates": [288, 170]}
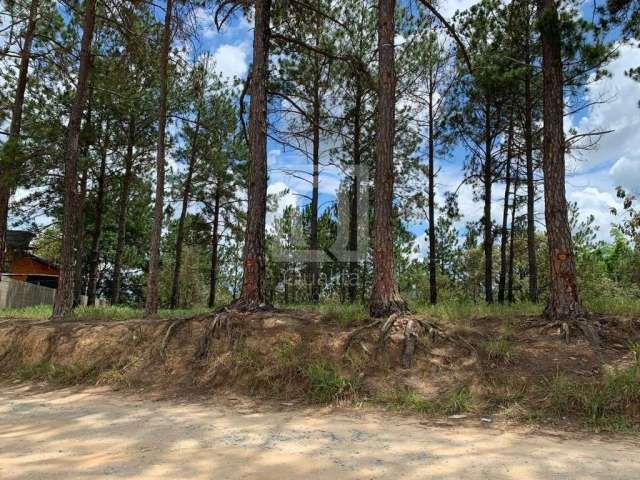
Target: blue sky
{"type": "Point", "coordinates": [591, 176]}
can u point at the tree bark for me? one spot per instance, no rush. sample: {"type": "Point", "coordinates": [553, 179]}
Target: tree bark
{"type": "Point", "coordinates": [213, 279]}
{"type": "Point", "coordinates": [488, 224]}
{"type": "Point", "coordinates": [254, 270]}
{"type": "Point", "coordinates": [313, 231]}
{"type": "Point", "coordinates": [8, 167]}
{"type": "Point", "coordinates": [63, 303]}
{"type": "Point", "coordinates": [151, 306]}
{"type": "Point", "coordinates": [186, 196]}
{"type": "Point", "coordinates": [97, 228]}
{"type": "Point", "coordinates": [514, 208]}
{"type": "Point", "coordinates": [355, 193]}
{"type": "Point", "coordinates": [528, 139]}
{"type": "Point", "coordinates": [385, 297]}
{"type": "Point", "coordinates": [504, 235]}
{"type": "Point", "coordinates": [122, 212]}
{"type": "Point", "coordinates": [80, 221]}
{"type": "Point", "coordinates": [564, 301]}
{"type": "Point", "coordinates": [433, 285]}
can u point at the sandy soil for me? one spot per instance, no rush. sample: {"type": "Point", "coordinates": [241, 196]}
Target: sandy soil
{"type": "Point", "coordinates": [91, 433]}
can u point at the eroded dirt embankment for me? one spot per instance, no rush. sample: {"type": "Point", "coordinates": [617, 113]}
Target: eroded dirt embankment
{"type": "Point", "coordinates": [511, 369]}
{"type": "Point", "coordinates": [191, 352]}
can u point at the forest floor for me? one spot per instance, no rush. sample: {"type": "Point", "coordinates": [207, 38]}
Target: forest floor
{"type": "Point", "coordinates": [86, 433]}
{"type": "Point", "coordinates": [501, 370]}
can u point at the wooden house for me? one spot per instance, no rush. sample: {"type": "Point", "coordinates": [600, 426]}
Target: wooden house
{"type": "Point", "coordinates": [21, 265]}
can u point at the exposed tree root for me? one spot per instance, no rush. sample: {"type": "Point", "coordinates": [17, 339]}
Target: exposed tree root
{"type": "Point", "coordinates": [222, 321]}
{"type": "Point", "coordinates": [413, 329]}
{"type": "Point", "coordinates": [573, 327]}
{"type": "Point", "coordinates": [171, 330]}
{"type": "Point", "coordinates": [354, 335]}
{"type": "Point", "coordinates": [249, 306]}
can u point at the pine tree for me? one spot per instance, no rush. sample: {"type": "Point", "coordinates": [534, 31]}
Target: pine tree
{"type": "Point", "coordinates": [63, 303]}
{"type": "Point", "coordinates": [151, 305]}
{"type": "Point", "coordinates": [254, 268]}
{"type": "Point", "coordinates": [385, 297]}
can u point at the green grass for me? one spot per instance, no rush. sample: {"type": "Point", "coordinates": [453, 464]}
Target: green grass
{"type": "Point", "coordinates": [56, 374]}
{"type": "Point", "coordinates": [456, 311]}
{"type": "Point", "coordinates": [403, 398]}
{"type": "Point", "coordinates": [498, 349]}
{"type": "Point", "coordinates": [345, 315]}
{"type": "Point", "coordinates": [102, 312]}
{"type": "Point", "coordinates": [613, 305]}
{"type": "Point", "coordinates": [35, 312]}
{"type": "Point", "coordinates": [601, 404]}
{"type": "Point", "coordinates": [327, 384]}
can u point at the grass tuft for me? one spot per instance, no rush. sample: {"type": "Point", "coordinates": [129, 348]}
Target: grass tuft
{"type": "Point", "coordinates": [344, 315]}
{"type": "Point", "coordinates": [404, 398]}
{"type": "Point", "coordinates": [459, 311]}
{"type": "Point", "coordinates": [327, 384]}
{"type": "Point", "coordinates": [498, 349]}
{"type": "Point", "coordinates": [56, 374]}
{"type": "Point", "coordinates": [601, 404]}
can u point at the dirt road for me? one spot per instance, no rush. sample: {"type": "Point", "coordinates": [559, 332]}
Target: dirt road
{"type": "Point", "coordinates": [90, 434]}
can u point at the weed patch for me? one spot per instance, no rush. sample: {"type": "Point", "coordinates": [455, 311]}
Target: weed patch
{"type": "Point", "coordinates": [406, 399]}
{"type": "Point", "coordinates": [498, 349]}
{"type": "Point", "coordinates": [56, 374]}
{"type": "Point", "coordinates": [326, 383]}
{"type": "Point", "coordinates": [601, 404]}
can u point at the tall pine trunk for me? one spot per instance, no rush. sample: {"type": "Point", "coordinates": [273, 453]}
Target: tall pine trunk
{"type": "Point", "coordinates": [385, 297]}
{"type": "Point", "coordinates": [213, 277]}
{"type": "Point", "coordinates": [186, 197]}
{"type": "Point", "coordinates": [564, 301]}
{"type": "Point", "coordinates": [355, 194]}
{"type": "Point", "coordinates": [433, 284]}
{"type": "Point", "coordinates": [313, 233]}
{"type": "Point", "coordinates": [253, 281]}
{"type": "Point", "coordinates": [122, 211]}
{"type": "Point", "coordinates": [504, 235]}
{"type": "Point", "coordinates": [63, 303]}
{"type": "Point", "coordinates": [514, 208]}
{"type": "Point", "coordinates": [80, 223]}
{"type": "Point", "coordinates": [488, 224]}
{"type": "Point", "coordinates": [151, 306]}
{"type": "Point", "coordinates": [528, 139]}
{"type": "Point", "coordinates": [97, 228]}
{"type": "Point", "coordinates": [8, 167]}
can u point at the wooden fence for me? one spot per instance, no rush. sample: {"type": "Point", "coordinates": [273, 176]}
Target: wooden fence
{"type": "Point", "coordinates": [14, 294]}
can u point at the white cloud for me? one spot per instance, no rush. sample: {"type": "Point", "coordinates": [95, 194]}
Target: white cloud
{"type": "Point", "coordinates": [592, 201]}
{"type": "Point", "coordinates": [626, 172]}
{"type": "Point", "coordinates": [284, 200]}
{"type": "Point", "coordinates": [231, 60]}
{"type": "Point", "coordinates": [449, 8]}
{"type": "Point", "coordinates": [620, 114]}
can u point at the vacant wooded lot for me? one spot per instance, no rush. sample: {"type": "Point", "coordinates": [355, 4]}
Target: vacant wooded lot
{"type": "Point", "coordinates": [421, 213]}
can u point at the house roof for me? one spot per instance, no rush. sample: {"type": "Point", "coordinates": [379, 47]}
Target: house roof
{"type": "Point", "coordinates": [19, 239]}
{"type": "Point", "coordinates": [43, 261]}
